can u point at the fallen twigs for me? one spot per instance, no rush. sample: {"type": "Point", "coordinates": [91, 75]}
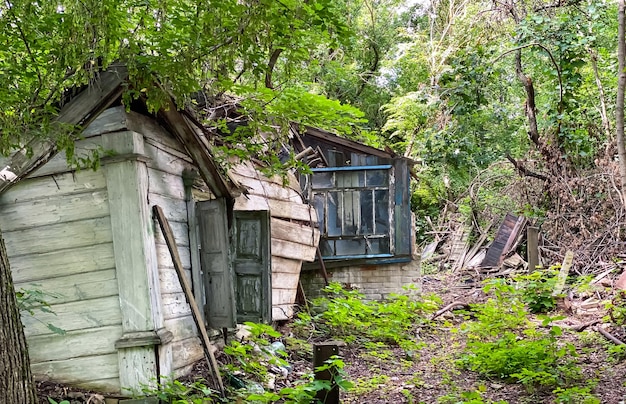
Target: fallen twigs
{"type": "Point", "coordinates": [583, 326]}
{"type": "Point", "coordinates": [449, 307]}
{"type": "Point", "coordinates": [609, 336]}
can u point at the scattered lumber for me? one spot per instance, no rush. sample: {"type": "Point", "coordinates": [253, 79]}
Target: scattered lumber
{"type": "Point", "coordinates": [168, 234]}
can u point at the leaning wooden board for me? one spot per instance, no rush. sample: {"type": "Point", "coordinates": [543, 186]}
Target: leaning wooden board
{"type": "Point", "coordinates": [171, 245]}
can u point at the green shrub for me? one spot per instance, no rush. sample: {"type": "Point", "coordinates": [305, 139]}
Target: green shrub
{"type": "Point", "coordinates": [503, 343]}
{"type": "Point", "coordinates": [347, 315]}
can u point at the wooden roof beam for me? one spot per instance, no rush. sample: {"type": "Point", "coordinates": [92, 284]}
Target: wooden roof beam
{"type": "Point", "coordinates": [79, 112]}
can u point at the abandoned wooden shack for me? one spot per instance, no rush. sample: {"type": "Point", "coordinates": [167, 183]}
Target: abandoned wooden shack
{"type": "Point", "coordinates": [362, 199]}
{"type": "Point", "coordinates": [88, 240]}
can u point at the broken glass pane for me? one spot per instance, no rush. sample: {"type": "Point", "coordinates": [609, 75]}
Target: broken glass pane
{"type": "Point", "coordinates": [333, 214]}
{"type": "Point", "coordinates": [381, 198]}
{"type": "Point", "coordinates": [377, 178]}
{"type": "Point", "coordinates": [367, 213]}
{"type": "Point", "coordinates": [378, 246]}
{"type": "Point", "coordinates": [351, 209]}
{"type": "Point", "coordinates": [318, 204]}
{"type": "Point", "coordinates": [327, 248]}
{"type": "Point", "coordinates": [322, 180]}
{"type": "Point", "coordinates": [350, 179]}
{"type": "Point", "coordinates": [350, 247]}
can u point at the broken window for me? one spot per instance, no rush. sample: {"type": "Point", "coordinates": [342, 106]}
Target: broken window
{"type": "Point", "coordinates": [354, 210]}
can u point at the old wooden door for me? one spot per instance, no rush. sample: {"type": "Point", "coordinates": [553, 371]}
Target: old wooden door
{"type": "Point", "coordinates": [217, 272]}
{"type": "Point", "coordinates": [251, 262]}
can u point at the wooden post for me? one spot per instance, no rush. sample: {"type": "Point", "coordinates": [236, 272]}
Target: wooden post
{"type": "Point", "coordinates": [135, 260]}
{"type": "Point", "coordinates": [321, 353]}
{"type": "Point", "coordinates": [195, 311]}
{"type": "Point", "coordinates": [532, 247]}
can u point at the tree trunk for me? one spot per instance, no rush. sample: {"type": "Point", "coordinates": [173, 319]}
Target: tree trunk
{"type": "Point", "coordinates": [16, 379]}
{"type": "Point", "coordinates": [621, 84]}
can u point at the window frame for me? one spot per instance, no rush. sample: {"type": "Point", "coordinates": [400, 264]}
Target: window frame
{"type": "Point", "coordinates": [342, 190]}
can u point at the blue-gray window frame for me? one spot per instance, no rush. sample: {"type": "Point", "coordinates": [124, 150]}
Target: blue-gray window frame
{"type": "Point", "coordinates": [378, 231]}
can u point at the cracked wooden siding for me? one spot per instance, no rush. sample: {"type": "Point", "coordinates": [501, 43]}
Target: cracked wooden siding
{"type": "Point", "coordinates": [294, 237]}
{"type": "Point", "coordinates": [59, 238]}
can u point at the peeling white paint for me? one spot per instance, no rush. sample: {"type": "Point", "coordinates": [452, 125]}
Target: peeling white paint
{"type": "Point", "coordinates": [7, 175]}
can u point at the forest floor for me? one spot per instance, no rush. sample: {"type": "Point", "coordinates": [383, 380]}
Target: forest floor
{"type": "Point", "coordinates": [388, 374]}
{"type": "Point", "coordinates": [432, 376]}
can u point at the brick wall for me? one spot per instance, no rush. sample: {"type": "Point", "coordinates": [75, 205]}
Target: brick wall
{"type": "Point", "coordinates": [375, 281]}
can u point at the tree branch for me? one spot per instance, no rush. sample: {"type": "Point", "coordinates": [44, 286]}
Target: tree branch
{"type": "Point", "coordinates": [524, 171]}
{"type": "Point", "coordinates": [556, 66]}
{"type": "Point", "coordinates": [531, 109]}
{"type": "Point", "coordinates": [270, 67]}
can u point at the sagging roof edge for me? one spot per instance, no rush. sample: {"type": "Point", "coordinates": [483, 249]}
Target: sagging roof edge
{"type": "Point", "coordinates": [86, 106]}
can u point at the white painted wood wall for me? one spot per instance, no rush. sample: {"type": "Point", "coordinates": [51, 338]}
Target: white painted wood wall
{"type": "Point", "coordinates": [58, 233]}
{"type": "Point", "coordinates": [57, 227]}
{"type": "Point", "coordinates": [167, 161]}
{"type": "Point", "coordinates": [293, 238]}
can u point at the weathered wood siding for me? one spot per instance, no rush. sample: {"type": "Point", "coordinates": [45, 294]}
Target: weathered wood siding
{"type": "Point", "coordinates": [293, 239]}
{"type": "Point", "coordinates": [58, 234]}
{"type": "Point", "coordinates": [167, 161]}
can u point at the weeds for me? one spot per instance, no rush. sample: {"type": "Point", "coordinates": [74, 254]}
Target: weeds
{"type": "Point", "coordinates": [503, 343]}
{"type": "Point", "coordinates": [346, 314]}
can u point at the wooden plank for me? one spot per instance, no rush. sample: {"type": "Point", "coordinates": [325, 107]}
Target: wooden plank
{"type": "Point", "coordinates": [171, 243]}
{"type": "Point", "coordinates": [114, 119]}
{"type": "Point", "coordinates": [562, 277]}
{"type": "Point", "coordinates": [247, 169]}
{"type": "Point", "coordinates": [72, 316]}
{"type": "Point", "coordinates": [164, 257]}
{"type": "Point", "coordinates": [74, 344]}
{"type": "Point", "coordinates": [251, 202]}
{"type": "Point", "coordinates": [88, 368]}
{"type": "Point", "coordinates": [168, 279]}
{"type": "Point", "coordinates": [175, 305]}
{"type": "Point", "coordinates": [62, 262]}
{"type": "Point", "coordinates": [176, 208]}
{"type": "Point", "coordinates": [164, 161]}
{"type": "Point", "coordinates": [294, 232]}
{"type": "Point", "coordinates": [80, 111]}
{"type": "Point", "coordinates": [111, 385]}
{"type": "Point", "coordinates": [137, 368]}
{"type": "Point", "coordinates": [202, 157]}
{"type": "Point", "coordinates": [117, 119]}
{"type": "Point", "coordinates": [181, 234]}
{"type": "Point", "coordinates": [285, 265]}
{"type": "Point", "coordinates": [283, 296]}
{"type": "Point", "coordinates": [267, 189]}
{"type": "Point", "coordinates": [66, 208]}
{"type": "Point", "coordinates": [287, 249]}
{"type": "Point", "coordinates": [294, 211]}
{"type": "Point", "coordinates": [82, 286]}
{"type": "Point", "coordinates": [55, 185]}
{"type": "Point", "coordinates": [285, 281]}
{"type": "Point", "coordinates": [188, 351]}
{"type": "Point", "coordinates": [166, 184]}
{"type": "Point", "coordinates": [291, 210]}
{"type": "Point", "coordinates": [55, 237]}
{"type": "Point", "coordinates": [182, 327]}
{"type": "Point", "coordinates": [282, 312]}
{"type": "Point", "coordinates": [334, 139]}
{"type": "Point", "coordinates": [532, 247]}
{"type": "Point", "coordinates": [500, 244]}
{"type": "Point", "coordinates": [135, 257]}
{"type": "Point", "coordinates": [58, 163]}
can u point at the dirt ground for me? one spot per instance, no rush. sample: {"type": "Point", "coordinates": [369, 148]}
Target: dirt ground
{"type": "Point", "coordinates": [389, 375]}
